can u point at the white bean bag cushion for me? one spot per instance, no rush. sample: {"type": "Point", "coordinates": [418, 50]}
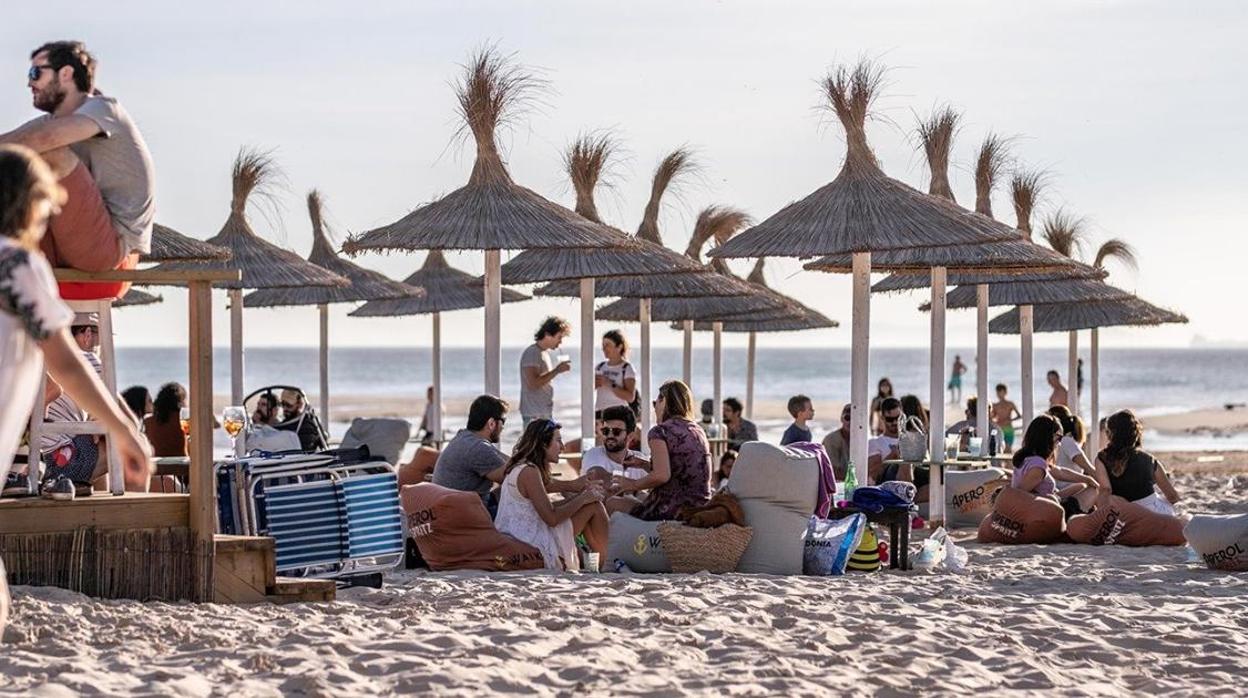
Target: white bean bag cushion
{"type": "Point", "coordinates": [385, 437]}
{"type": "Point", "coordinates": [968, 494]}
{"type": "Point", "coordinates": [1221, 540]}
{"type": "Point", "coordinates": [777, 488]}
{"type": "Point", "coordinates": [636, 543]}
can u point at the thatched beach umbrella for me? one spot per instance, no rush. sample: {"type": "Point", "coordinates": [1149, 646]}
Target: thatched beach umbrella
{"type": "Point", "coordinates": [168, 245]}
{"type": "Point", "coordinates": [861, 211]}
{"type": "Point", "coordinates": [1072, 317]}
{"type": "Point", "coordinates": [134, 297]}
{"type": "Point", "coordinates": [263, 264]}
{"type": "Point", "coordinates": [586, 163]}
{"type": "Point", "coordinates": [366, 285]}
{"type": "Point", "coordinates": [491, 212]}
{"type": "Point", "coordinates": [446, 289]}
{"type": "Point", "coordinates": [794, 317]}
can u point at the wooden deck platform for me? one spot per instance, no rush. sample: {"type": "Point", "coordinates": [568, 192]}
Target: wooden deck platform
{"type": "Point", "coordinates": [101, 511]}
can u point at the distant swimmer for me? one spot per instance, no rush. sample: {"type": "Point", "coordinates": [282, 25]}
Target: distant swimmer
{"type": "Point", "coordinates": [955, 380]}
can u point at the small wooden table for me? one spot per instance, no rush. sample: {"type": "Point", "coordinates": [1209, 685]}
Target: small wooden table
{"type": "Point", "coordinates": [898, 522]}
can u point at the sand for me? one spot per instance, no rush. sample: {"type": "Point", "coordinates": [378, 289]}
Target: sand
{"type": "Point", "coordinates": [1064, 618]}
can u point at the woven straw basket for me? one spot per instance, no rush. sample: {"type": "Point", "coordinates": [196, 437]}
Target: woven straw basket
{"type": "Point", "coordinates": [716, 550]}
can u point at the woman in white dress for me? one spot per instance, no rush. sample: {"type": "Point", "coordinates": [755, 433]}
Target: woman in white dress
{"type": "Point", "coordinates": [526, 513]}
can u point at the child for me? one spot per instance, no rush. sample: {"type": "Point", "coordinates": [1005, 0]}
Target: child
{"type": "Point", "coordinates": [34, 324]}
{"type": "Point", "coordinates": [1003, 415]}
{"type": "Point", "coordinates": [1035, 472]}
{"type": "Point", "coordinates": [726, 462]}
{"type": "Point", "coordinates": [802, 411]}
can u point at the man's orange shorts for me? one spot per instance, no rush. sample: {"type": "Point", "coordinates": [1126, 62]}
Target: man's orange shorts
{"type": "Point", "coordinates": [82, 237]}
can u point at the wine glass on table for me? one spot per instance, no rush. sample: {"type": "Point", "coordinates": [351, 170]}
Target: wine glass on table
{"type": "Point", "coordinates": [233, 419]}
{"type": "Point", "coordinates": [184, 418]}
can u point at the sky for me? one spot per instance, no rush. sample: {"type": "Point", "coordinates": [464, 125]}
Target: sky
{"type": "Point", "coordinates": [1134, 108]}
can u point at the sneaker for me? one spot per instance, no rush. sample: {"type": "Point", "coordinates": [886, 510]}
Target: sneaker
{"type": "Point", "coordinates": [16, 485]}
{"type": "Point", "coordinates": [61, 489]}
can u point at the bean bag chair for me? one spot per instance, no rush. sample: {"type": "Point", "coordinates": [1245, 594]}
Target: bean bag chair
{"type": "Point", "coordinates": [453, 531]}
{"type": "Point", "coordinates": [1115, 521]}
{"type": "Point", "coordinates": [1221, 540]}
{"type": "Point", "coordinates": [1022, 517]}
{"type": "Point", "coordinates": [384, 437]}
{"type": "Point", "coordinates": [419, 467]}
{"type": "Point", "coordinates": [777, 488]}
{"type": "Point", "coordinates": [636, 543]}
{"type": "Point", "coordinates": [968, 495]}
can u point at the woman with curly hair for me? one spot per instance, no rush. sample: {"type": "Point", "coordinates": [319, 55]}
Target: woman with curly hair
{"type": "Point", "coordinates": [1128, 471]}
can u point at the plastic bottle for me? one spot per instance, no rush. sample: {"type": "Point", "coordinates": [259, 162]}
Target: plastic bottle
{"type": "Point", "coordinates": [851, 482]}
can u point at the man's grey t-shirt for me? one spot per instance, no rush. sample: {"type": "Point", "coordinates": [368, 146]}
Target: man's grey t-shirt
{"type": "Point", "coordinates": [465, 462]}
{"type": "Point", "coordinates": [122, 168]}
{"type": "Point", "coordinates": [536, 403]}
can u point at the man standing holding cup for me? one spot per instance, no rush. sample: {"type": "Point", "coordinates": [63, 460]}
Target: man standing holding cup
{"type": "Point", "coordinates": [538, 369]}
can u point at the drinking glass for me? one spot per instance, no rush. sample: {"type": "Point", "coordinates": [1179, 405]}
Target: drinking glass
{"type": "Point", "coordinates": [184, 417]}
{"type": "Point", "coordinates": [233, 419]}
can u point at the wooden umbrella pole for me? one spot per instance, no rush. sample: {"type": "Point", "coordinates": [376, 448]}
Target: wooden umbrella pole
{"type": "Point", "coordinates": [981, 366]}
{"type": "Point", "coordinates": [1072, 373]}
{"type": "Point", "coordinates": [435, 410]}
{"type": "Point", "coordinates": [587, 364]}
{"type": "Point", "coordinates": [687, 358]}
{"type": "Point", "coordinates": [324, 312]}
{"type": "Point", "coordinates": [1026, 323]}
{"type": "Point", "coordinates": [717, 330]}
{"type": "Point", "coordinates": [493, 318]}
{"type": "Point", "coordinates": [1094, 384]}
{"type": "Point", "coordinates": [860, 416]}
{"type": "Point", "coordinates": [236, 346]}
{"type": "Point", "coordinates": [203, 506]}
{"type": "Point", "coordinates": [643, 314]}
{"type": "Point", "coordinates": [751, 348]}
{"type": "Point", "coordinates": [936, 385]}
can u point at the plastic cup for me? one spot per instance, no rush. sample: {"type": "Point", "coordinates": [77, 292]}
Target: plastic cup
{"type": "Point", "coordinates": [591, 562]}
{"type": "Point", "coordinates": [975, 446]}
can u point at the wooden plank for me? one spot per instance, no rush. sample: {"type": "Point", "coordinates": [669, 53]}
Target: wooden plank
{"type": "Point", "coordinates": [202, 514]}
{"type": "Point", "coordinates": [150, 276]}
{"type": "Point", "coordinates": [131, 510]}
{"type": "Point", "coordinates": [298, 589]}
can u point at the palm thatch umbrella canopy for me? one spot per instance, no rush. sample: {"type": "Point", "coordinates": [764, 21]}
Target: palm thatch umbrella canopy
{"type": "Point", "coordinates": [795, 317]}
{"type": "Point", "coordinates": [446, 289]}
{"type": "Point", "coordinates": [1034, 293]}
{"type": "Point", "coordinates": [861, 211]}
{"type": "Point", "coordinates": [366, 285]}
{"type": "Point", "coordinates": [135, 297]}
{"type": "Point", "coordinates": [169, 245]}
{"type": "Point", "coordinates": [491, 212]}
{"type": "Point", "coordinates": [263, 264]}
{"type": "Point", "coordinates": [1130, 311]}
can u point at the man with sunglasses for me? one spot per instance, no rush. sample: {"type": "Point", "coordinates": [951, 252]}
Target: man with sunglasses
{"type": "Point", "coordinates": [99, 157]}
{"type": "Point", "coordinates": [614, 457]}
{"type": "Point", "coordinates": [836, 444]}
{"type": "Point", "coordinates": [885, 447]}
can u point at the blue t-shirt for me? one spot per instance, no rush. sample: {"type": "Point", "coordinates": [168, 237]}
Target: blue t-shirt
{"type": "Point", "coordinates": [795, 434]}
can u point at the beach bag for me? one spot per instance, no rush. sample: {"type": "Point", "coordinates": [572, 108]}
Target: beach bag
{"type": "Point", "coordinates": [830, 542]}
{"type": "Point", "coordinates": [1115, 521]}
{"type": "Point", "coordinates": [1222, 541]}
{"type": "Point", "coordinates": [716, 550]}
{"type": "Point", "coordinates": [1022, 517]}
{"type": "Point", "coordinates": [778, 489]}
{"type": "Point", "coordinates": [866, 558]}
{"type": "Point", "coordinates": [636, 543]}
{"type": "Point", "coordinates": [384, 437]}
{"type": "Point", "coordinates": [911, 441]}
{"type": "Point", "coordinates": [969, 493]}
{"type": "Point", "coordinates": [453, 531]}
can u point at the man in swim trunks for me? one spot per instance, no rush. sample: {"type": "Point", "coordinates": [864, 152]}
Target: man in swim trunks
{"type": "Point", "coordinates": [1003, 415]}
{"type": "Point", "coordinates": [97, 153]}
{"type": "Point", "coordinates": [955, 380]}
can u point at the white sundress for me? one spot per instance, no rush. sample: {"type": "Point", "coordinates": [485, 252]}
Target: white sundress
{"type": "Point", "coordinates": [518, 519]}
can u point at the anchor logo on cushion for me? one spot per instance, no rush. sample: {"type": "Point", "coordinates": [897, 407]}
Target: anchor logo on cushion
{"type": "Point", "coordinates": [641, 545]}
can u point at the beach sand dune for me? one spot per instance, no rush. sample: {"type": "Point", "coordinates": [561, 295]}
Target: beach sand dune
{"type": "Point", "coordinates": [1034, 618]}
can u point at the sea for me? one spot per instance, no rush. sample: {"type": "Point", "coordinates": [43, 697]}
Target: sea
{"type": "Point", "coordinates": [1149, 381]}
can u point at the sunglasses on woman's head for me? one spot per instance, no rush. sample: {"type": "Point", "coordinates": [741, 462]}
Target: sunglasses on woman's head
{"type": "Point", "coordinates": [550, 426]}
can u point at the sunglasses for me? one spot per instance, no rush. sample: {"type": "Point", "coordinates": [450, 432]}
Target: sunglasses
{"type": "Point", "coordinates": [550, 426]}
{"type": "Point", "coordinates": [894, 418]}
{"type": "Point", "coordinates": [35, 71]}
{"type": "Point", "coordinates": [613, 431]}
{"type": "Point", "coordinates": [287, 406]}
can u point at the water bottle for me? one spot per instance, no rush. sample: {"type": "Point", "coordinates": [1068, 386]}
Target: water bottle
{"type": "Point", "coordinates": [851, 482]}
{"type": "Point", "coordinates": [993, 440]}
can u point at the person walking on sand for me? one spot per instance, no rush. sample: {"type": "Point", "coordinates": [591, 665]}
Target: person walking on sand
{"type": "Point", "coordinates": [101, 161]}
{"type": "Point", "coordinates": [883, 391]}
{"type": "Point", "coordinates": [1059, 394]}
{"type": "Point", "coordinates": [955, 380]}
{"type": "Point", "coordinates": [1003, 415]}
{"type": "Point", "coordinates": [538, 369]}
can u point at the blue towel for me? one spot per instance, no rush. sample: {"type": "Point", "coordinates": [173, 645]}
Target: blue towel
{"type": "Point", "coordinates": [876, 499]}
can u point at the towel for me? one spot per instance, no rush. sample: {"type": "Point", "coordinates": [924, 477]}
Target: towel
{"type": "Point", "coordinates": [827, 479]}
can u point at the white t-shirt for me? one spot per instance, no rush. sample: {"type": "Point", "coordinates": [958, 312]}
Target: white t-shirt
{"type": "Point", "coordinates": [597, 457]}
{"type": "Point", "coordinates": [31, 310]}
{"type": "Point", "coordinates": [1067, 450]}
{"type": "Point", "coordinates": [64, 409]}
{"type": "Point", "coordinates": [616, 375]}
{"type": "Point", "coordinates": [881, 446]}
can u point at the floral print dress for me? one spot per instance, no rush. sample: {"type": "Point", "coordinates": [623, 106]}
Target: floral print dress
{"type": "Point", "coordinates": [689, 456]}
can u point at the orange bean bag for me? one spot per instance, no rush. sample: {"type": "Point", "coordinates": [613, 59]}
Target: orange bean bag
{"type": "Point", "coordinates": [1022, 517]}
{"type": "Point", "coordinates": [453, 531]}
{"type": "Point", "coordinates": [1115, 521]}
{"type": "Point", "coordinates": [420, 466]}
